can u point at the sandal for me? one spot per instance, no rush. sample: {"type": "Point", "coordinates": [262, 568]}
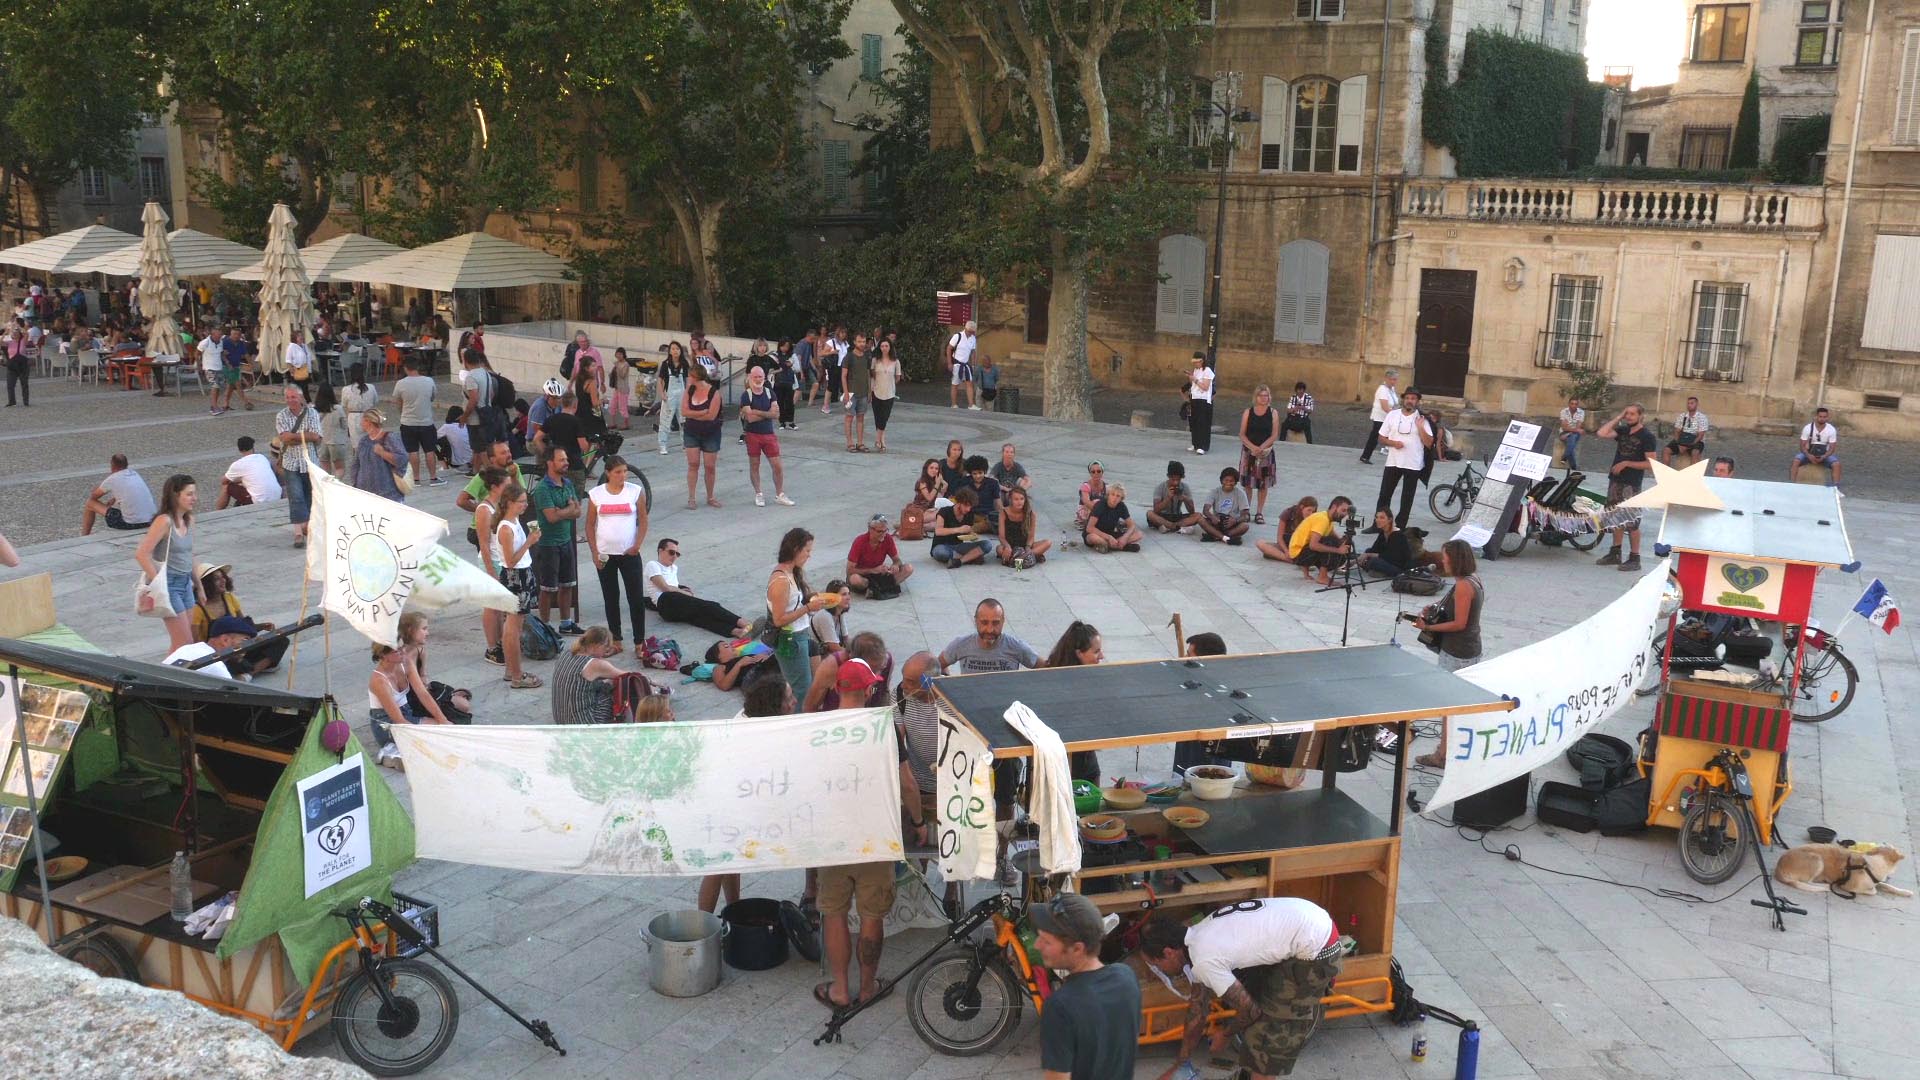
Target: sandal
{"type": "Point", "coordinates": [823, 993]}
{"type": "Point", "coordinates": [524, 682]}
{"type": "Point", "coordinates": [713, 502]}
{"type": "Point", "coordinates": [691, 505]}
{"type": "Point", "coordinates": [1259, 519]}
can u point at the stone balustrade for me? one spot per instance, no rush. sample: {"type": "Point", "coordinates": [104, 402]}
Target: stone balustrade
{"type": "Point", "coordinates": [1633, 204]}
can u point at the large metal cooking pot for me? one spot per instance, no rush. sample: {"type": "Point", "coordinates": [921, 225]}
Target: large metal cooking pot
{"type": "Point", "coordinates": [683, 952]}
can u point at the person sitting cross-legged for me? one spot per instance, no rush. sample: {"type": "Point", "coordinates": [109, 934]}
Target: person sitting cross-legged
{"type": "Point", "coordinates": [955, 542]}
{"type": "Point", "coordinates": [1110, 524]}
{"type": "Point", "coordinates": [874, 565]}
{"type": "Point", "coordinates": [1278, 548]}
{"type": "Point", "coordinates": [1173, 509]}
{"type": "Point", "coordinates": [1224, 516]}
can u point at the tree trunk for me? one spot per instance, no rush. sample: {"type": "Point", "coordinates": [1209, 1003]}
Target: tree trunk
{"type": "Point", "coordinates": [700, 235]}
{"type": "Point", "coordinates": [313, 198]}
{"type": "Point", "coordinates": [1069, 382]}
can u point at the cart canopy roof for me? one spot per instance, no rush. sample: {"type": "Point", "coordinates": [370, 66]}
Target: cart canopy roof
{"type": "Point", "coordinates": [141, 680]}
{"type": "Point", "coordinates": [1766, 519]}
{"type": "Point", "coordinates": [1214, 696]}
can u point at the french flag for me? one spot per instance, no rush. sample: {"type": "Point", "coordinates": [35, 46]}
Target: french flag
{"type": "Point", "coordinates": [1878, 608]}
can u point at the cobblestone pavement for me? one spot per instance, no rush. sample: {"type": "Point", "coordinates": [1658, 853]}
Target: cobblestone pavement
{"type": "Point", "coordinates": [1571, 977]}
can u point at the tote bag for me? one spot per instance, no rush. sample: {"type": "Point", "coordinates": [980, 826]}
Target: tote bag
{"type": "Point", "coordinates": [150, 595]}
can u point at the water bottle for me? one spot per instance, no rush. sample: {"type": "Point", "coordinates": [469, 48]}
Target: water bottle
{"type": "Point", "coordinates": [180, 880]}
{"type": "Point", "coordinates": [1466, 1064]}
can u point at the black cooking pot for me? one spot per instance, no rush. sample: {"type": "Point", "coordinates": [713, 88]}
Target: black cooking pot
{"type": "Point", "coordinates": [756, 940]}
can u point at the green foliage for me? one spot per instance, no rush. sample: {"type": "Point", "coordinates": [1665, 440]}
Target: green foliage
{"type": "Point", "coordinates": [1745, 152]}
{"type": "Point", "coordinates": [65, 102]}
{"type": "Point", "coordinates": [1593, 387]}
{"type": "Point", "coordinates": [1518, 108]}
{"type": "Point", "coordinates": [1795, 147]}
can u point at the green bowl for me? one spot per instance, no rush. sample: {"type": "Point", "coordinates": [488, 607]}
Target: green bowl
{"type": "Point", "coordinates": [1086, 797]}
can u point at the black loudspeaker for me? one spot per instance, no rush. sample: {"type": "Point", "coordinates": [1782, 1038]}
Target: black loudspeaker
{"type": "Point", "coordinates": [1495, 806]}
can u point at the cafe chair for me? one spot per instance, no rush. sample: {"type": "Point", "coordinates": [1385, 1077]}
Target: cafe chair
{"type": "Point", "coordinates": [87, 360]}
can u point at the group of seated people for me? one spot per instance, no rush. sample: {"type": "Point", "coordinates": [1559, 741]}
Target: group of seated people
{"type": "Point", "coordinates": [973, 511]}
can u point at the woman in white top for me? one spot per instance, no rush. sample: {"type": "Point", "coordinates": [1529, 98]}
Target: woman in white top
{"type": "Point", "coordinates": [358, 396]}
{"type": "Point", "coordinates": [1385, 399]}
{"type": "Point", "coordinates": [616, 525]}
{"type": "Point", "coordinates": [506, 550]}
{"type": "Point", "coordinates": [395, 673]}
{"type": "Point", "coordinates": [788, 607]}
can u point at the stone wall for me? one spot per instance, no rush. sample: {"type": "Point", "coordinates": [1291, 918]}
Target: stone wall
{"type": "Point", "coordinates": [65, 1021]}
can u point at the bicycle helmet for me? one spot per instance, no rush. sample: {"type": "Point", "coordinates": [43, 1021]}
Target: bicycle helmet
{"type": "Point", "coordinates": [554, 387]}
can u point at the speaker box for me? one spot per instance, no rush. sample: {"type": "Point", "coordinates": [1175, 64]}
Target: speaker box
{"type": "Point", "coordinates": [1495, 806]}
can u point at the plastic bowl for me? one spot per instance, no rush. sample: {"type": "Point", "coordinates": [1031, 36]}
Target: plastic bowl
{"type": "Point", "coordinates": [1102, 827]}
{"type": "Point", "coordinates": [1186, 817]}
{"type": "Point", "coordinates": [1211, 781]}
{"type": "Point", "coordinates": [1121, 798]}
{"type": "Point", "coordinates": [1820, 834]}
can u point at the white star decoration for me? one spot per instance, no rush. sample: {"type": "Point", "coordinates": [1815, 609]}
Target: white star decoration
{"type": "Point", "coordinates": [1677, 487]}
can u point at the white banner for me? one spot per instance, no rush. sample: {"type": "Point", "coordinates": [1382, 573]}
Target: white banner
{"type": "Point", "coordinates": [963, 784]}
{"type": "Point", "coordinates": [371, 550]}
{"type": "Point", "coordinates": [337, 842]}
{"type": "Point", "coordinates": [663, 800]}
{"type": "Point", "coordinates": [1565, 686]}
{"type": "Point", "coordinates": [445, 579]}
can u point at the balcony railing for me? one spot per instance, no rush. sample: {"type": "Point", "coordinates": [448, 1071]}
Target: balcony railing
{"type": "Point", "coordinates": [1659, 205]}
{"type": "Point", "coordinates": [1567, 350]}
{"type": "Point", "coordinates": [1712, 361]}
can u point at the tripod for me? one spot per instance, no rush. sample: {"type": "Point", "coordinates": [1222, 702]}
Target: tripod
{"type": "Point", "coordinates": [1346, 577]}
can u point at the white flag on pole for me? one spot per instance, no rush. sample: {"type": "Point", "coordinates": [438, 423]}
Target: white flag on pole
{"type": "Point", "coordinates": [370, 549]}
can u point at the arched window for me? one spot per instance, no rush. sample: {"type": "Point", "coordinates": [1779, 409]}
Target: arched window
{"type": "Point", "coordinates": [1300, 294]}
{"type": "Point", "coordinates": [1182, 269]}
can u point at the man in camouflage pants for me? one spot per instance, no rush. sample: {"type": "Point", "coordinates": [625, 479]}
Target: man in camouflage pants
{"type": "Point", "coordinates": [1270, 961]}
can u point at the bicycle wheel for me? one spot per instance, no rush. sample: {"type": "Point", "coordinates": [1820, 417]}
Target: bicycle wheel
{"type": "Point", "coordinates": [1586, 541]}
{"type": "Point", "coordinates": [1447, 502]}
{"type": "Point", "coordinates": [103, 956]}
{"type": "Point", "coordinates": [1512, 542]}
{"type": "Point", "coordinates": [1826, 687]}
{"type": "Point", "coordinates": [406, 1038]}
{"type": "Point", "coordinates": [1650, 681]}
{"type": "Point", "coordinates": [1713, 838]}
{"type": "Point", "coordinates": [646, 489]}
{"type": "Point", "coordinates": [959, 1012]}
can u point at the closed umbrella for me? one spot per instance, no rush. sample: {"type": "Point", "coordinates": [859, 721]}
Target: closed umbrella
{"type": "Point", "coordinates": [159, 292]}
{"type": "Point", "coordinates": [286, 296]}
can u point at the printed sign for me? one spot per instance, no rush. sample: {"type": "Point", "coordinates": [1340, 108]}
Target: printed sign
{"type": "Point", "coordinates": [45, 764]}
{"type": "Point", "coordinates": [963, 782]}
{"type": "Point", "coordinates": [1521, 434]}
{"type": "Point", "coordinates": [1744, 584]}
{"type": "Point", "coordinates": [338, 842]}
{"type": "Point", "coordinates": [1565, 686]}
{"type": "Point", "coordinates": [1500, 467]}
{"type": "Point", "coordinates": [1531, 465]}
{"type": "Point", "coordinates": [16, 828]}
{"type": "Point", "coordinates": [661, 800]}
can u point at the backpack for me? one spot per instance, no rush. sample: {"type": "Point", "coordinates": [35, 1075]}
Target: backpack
{"type": "Point", "coordinates": [566, 361]}
{"type": "Point", "coordinates": [913, 523]}
{"type": "Point", "coordinates": [538, 641]}
{"type": "Point", "coordinates": [502, 397]}
{"type": "Point", "coordinates": [1418, 581]}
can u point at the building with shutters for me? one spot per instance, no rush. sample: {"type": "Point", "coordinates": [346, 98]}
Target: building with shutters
{"type": "Point", "coordinates": [1867, 271]}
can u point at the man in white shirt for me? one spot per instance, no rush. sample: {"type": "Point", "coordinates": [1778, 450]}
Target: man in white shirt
{"type": "Point", "coordinates": [1573, 424]}
{"type": "Point", "coordinates": [1271, 961]}
{"type": "Point", "coordinates": [1406, 435]}
{"type": "Point", "coordinates": [249, 480]}
{"type": "Point", "coordinates": [224, 633]}
{"type": "Point", "coordinates": [676, 603]}
{"type": "Point", "coordinates": [211, 366]}
{"type": "Point", "coordinates": [1200, 404]}
{"type": "Point", "coordinates": [299, 360]}
{"type": "Point", "coordinates": [123, 499]}
{"type": "Point", "coordinates": [960, 349]}
{"type": "Point", "coordinates": [1819, 445]}
{"type": "Point", "coordinates": [1689, 435]}
{"type": "Point", "coordinates": [1386, 398]}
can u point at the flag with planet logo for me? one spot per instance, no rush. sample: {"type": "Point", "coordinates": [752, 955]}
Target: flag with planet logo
{"type": "Point", "coordinates": [366, 551]}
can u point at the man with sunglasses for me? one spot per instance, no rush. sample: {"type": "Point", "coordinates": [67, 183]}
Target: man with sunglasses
{"type": "Point", "coordinates": [676, 603]}
{"type": "Point", "coordinates": [1088, 1029]}
{"type": "Point", "coordinates": [1406, 435]}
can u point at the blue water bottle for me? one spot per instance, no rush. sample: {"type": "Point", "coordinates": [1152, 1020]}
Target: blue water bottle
{"type": "Point", "coordinates": [1467, 1060]}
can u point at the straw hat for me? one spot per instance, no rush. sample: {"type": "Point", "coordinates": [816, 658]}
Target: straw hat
{"type": "Point", "coordinates": [201, 570]}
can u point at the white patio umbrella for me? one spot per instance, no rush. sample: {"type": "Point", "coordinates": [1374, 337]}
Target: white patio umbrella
{"type": "Point", "coordinates": [286, 296]}
{"type": "Point", "coordinates": [475, 260]}
{"type": "Point", "coordinates": [159, 291]}
{"type": "Point", "coordinates": [195, 254]}
{"type": "Point", "coordinates": [61, 254]}
{"type": "Point", "coordinates": [328, 258]}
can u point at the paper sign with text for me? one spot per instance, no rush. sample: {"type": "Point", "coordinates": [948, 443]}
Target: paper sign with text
{"type": "Point", "coordinates": [963, 779]}
{"type": "Point", "coordinates": [337, 838]}
{"type": "Point", "coordinates": [1744, 584]}
{"type": "Point", "coordinates": [1565, 685]}
{"type": "Point", "coordinates": [658, 800]}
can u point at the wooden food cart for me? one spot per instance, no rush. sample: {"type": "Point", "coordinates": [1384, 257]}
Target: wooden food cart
{"type": "Point", "coordinates": [1758, 558]}
{"type": "Point", "coordinates": [1318, 709]}
{"type": "Point", "coordinates": [143, 760]}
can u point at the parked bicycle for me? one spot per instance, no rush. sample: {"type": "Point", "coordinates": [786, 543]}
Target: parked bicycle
{"type": "Point", "coordinates": [1717, 827]}
{"type": "Point", "coordinates": [1828, 679]}
{"type": "Point", "coordinates": [603, 446]}
{"type": "Point", "coordinates": [1450, 502]}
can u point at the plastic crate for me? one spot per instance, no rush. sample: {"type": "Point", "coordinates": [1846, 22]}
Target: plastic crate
{"type": "Point", "coordinates": [425, 918]}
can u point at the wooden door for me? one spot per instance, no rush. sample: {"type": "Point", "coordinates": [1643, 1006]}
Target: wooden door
{"type": "Point", "coordinates": [1443, 332]}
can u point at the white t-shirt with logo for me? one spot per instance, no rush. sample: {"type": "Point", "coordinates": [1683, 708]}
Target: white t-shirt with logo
{"type": "Point", "coordinates": [1243, 935]}
{"type": "Point", "coordinates": [616, 518]}
{"type": "Point", "coordinates": [1819, 435]}
{"type": "Point", "coordinates": [1405, 427]}
{"type": "Point", "coordinates": [963, 345]}
{"type": "Point", "coordinates": [255, 473]}
{"type": "Point", "coordinates": [1386, 393]}
{"type": "Point", "coordinates": [668, 574]}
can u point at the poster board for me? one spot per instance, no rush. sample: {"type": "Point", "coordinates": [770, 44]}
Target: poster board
{"type": "Point", "coordinates": [1510, 473]}
{"type": "Point", "coordinates": [52, 718]}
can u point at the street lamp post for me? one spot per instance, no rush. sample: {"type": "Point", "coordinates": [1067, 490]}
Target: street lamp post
{"type": "Point", "coordinates": [1229, 114]}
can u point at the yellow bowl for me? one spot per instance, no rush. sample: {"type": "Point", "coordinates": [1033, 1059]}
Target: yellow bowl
{"type": "Point", "coordinates": [1102, 827]}
{"type": "Point", "coordinates": [1124, 798]}
{"type": "Point", "coordinates": [66, 867]}
{"type": "Point", "coordinates": [1186, 817]}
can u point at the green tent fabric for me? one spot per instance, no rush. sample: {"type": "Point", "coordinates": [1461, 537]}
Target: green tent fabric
{"type": "Point", "coordinates": [273, 898]}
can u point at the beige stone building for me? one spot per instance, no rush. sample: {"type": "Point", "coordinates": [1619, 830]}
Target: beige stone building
{"type": "Point", "coordinates": [1794, 46]}
{"type": "Point", "coordinates": [1869, 369]}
